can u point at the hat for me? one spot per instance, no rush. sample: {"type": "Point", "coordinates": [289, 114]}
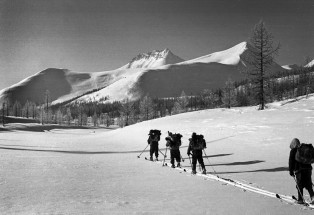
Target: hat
{"type": "Point", "coordinates": [295, 143]}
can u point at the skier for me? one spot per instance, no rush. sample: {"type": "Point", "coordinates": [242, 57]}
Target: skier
{"type": "Point", "coordinates": [301, 172]}
{"type": "Point", "coordinates": [196, 145]}
{"type": "Point", "coordinates": [174, 143]}
{"type": "Point", "coordinates": [154, 137]}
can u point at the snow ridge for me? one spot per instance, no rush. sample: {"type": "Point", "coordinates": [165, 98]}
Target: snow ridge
{"type": "Point", "coordinates": [153, 59]}
{"type": "Point", "coordinates": [230, 56]}
{"type": "Point", "coordinates": [310, 64]}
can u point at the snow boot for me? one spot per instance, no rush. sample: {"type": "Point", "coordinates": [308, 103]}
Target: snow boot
{"type": "Point", "coordinates": [312, 200]}
{"type": "Point", "coordinates": [151, 159]}
{"type": "Point", "coordinates": [193, 172]}
{"type": "Point", "coordinates": [179, 165]}
{"type": "Point", "coordinates": [156, 158]}
{"type": "Point", "coordinates": [204, 171]}
{"type": "Point", "coordinates": [173, 166]}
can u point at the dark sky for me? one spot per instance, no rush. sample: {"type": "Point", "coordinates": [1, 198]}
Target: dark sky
{"type": "Point", "coordinates": [98, 35]}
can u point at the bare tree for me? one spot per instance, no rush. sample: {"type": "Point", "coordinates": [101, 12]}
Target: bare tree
{"type": "Point", "coordinates": [229, 94]}
{"type": "Point", "coordinates": [177, 108]}
{"type": "Point", "coordinates": [107, 119]}
{"type": "Point", "coordinates": [184, 101]}
{"type": "Point", "coordinates": [308, 71]}
{"type": "Point", "coordinates": [208, 98]}
{"type": "Point", "coordinates": [17, 109]}
{"type": "Point", "coordinates": [259, 59]}
{"type": "Point", "coordinates": [59, 117]}
{"type": "Point", "coordinates": [7, 106]}
{"type": "Point", "coordinates": [26, 109]}
{"type": "Point", "coordinates": [3, 109]}
{"type": "Point", "coordinates": [146, 108]}
{"type": "Point", "coordinates": [42, 113]}
{"type": "Point", "coordinates": [46, 103]}
{"type": "Point", "coordinates": [68, 116]}
{"type": "Point", "coordinates": [127, 111]}
{"type": "Point", "coordinates": [95, 119]}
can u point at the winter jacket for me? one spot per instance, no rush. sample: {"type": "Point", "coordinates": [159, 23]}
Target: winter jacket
{"type": "Point", "coordinates": [295, 166]}
{"type": "Point", "coordinates": [153, 139]}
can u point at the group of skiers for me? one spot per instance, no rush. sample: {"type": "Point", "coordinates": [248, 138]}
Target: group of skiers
{"type": "Point", "coordinates": [300, 159]}
{"type": "Point", "coordinates": [196, 146]}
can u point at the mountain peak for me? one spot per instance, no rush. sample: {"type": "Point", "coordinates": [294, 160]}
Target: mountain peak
{"type": "Point", "coordinates": [154, 59]}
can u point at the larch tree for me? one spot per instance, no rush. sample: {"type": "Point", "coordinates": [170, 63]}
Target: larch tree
{"type": "Point", "coordinates": [26, 109]}
{"type": "Point", "coordinates": [184, 101]}
{"type": "Point", "coordinates": [127, 111]}
{"type": "Point", "coordinates": [228, 97]}
{"type": "Point", "coordinates": [146, 108]}
{"type": "Point", "coordinates": [17, 109]}
{"type": "Point", "coordinates": [259, 60]}
{"type": "Point", "coordinates": [59, 117]}
{"type": "Point", "coordinates": [46, 104]}
{"type": "Point", "coordinates": [3, 109]}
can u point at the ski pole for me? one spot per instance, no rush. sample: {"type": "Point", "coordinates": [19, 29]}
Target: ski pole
{"type": "Point", "coordinates": [142, 152]}
{"type": "Point", "coordinates": [165, 155]}
{"type": "Point", "coordinates": [298, 188]}
{"type": "Point", "coordinates": [190, 162]}
{"type": "Point", "coordinates": [161, 152]}
{"type": "Point", "coordinates": [209, 162]}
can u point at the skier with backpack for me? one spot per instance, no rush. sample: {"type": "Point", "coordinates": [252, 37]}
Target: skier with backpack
{"type": "Point", "coordinates": [174, 143]}
{"type": "Point", "coordinates": [153, 139]}
{"type": "Point", "coordinates": [196, 145]}
{"type": "Point", "coordinates": [300, 159]}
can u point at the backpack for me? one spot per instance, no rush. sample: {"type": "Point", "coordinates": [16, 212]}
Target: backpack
{"type": "Point", "coordinates": [197, 143]}
{"type": "Point", "coordinates": [305, 154]}
{"type": "Point", "coordinates": [174, 140]}
{"type": "Point", "coordinates": [154, 135]}
{"type": "Point", "coordinates": [177, 139]}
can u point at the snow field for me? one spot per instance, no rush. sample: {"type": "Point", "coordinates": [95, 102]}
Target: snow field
{"type": "Point", "coordinates": [98, 172]}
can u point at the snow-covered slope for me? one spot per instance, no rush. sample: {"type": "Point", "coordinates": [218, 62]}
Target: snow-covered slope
{"type": "Point", "coordinates": [153, 59]}
{"type": "Point", "coordinates": [287, 67]}
{"type": "Point", "coordinates": [290, 66]}
{"type": "Point", "coordinates": [230, 56]}
{"type": "Point", "coordinates": [84, 171]}
{"type": "Point", "coordinates": [192, 76]}
{"type": "Point", "coordinates": [167, 81]}
{"type": "Point", "coordinates": [310, 64]}
{"type": "Point", "coordinates": [159, 74]}
{"type": "Point", "coordinates": [62, 84]}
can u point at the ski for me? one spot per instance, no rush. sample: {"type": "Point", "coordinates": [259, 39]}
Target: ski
{"type": "Point", "coordinates": [176, 167]}
{"type": "Point", "coordinates": [307, 204]}
{"type": "Point", "coordinates": [152, 160]}
{"type": "Point", "coordinates": [245, 187]}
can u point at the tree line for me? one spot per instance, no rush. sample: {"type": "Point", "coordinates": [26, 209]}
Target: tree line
{"type": "Point", "coordinates": [277, 87]}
